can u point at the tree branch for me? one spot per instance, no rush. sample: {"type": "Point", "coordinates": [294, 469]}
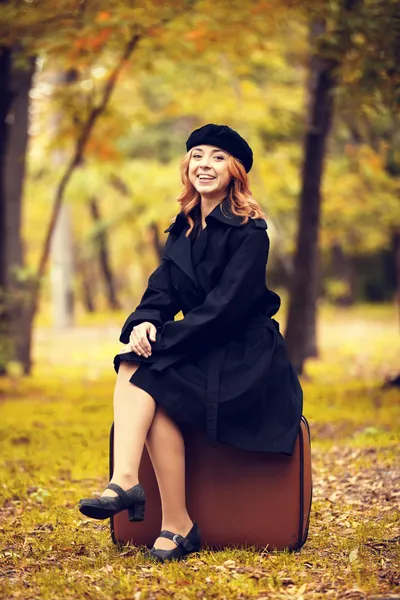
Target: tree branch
{"type": "Point", "coordinates": [80, 146]}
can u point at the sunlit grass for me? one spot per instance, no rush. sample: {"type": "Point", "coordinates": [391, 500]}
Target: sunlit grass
{"type": "Point", "coordinates": [54, 449]}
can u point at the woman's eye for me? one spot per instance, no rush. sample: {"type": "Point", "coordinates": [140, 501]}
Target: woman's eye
{"type": "Point", "coordinates": [219, 156]}
{"type": "Point", "coordinates": [196, 155]}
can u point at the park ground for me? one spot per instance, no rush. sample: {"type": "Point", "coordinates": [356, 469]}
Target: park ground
{"type": "Point", "coordinates": [54, 450]}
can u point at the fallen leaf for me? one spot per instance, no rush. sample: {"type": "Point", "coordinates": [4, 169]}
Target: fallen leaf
{"type": "Point", "coordinates": [353, 555]}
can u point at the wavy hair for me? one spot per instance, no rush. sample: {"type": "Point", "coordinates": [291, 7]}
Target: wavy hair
{"type": "Point", "coordinates": [239, 197]}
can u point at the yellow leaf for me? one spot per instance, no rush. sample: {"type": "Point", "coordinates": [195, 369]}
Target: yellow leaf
{"type": "Point", "coordinates": [353, 555]}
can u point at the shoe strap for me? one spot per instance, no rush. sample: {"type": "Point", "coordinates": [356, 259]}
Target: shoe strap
{"type": "Point", "coordinates": [122, 495]}
{"type": "Point", "coordinates": [178, 539]}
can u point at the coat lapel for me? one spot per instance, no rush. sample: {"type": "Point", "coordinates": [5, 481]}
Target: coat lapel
{"type": "Point", "coordinates": [180, 251]}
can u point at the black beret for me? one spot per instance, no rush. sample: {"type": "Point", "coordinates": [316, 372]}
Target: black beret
{"type": "Point", "coordinates": [223, 137]}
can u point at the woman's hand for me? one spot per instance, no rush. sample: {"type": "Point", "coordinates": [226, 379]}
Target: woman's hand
{"type": "Point", "coordinates": [138, 339]}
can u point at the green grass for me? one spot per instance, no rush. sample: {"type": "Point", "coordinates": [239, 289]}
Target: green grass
{"type": "Point", "coordinates": [54, 450]}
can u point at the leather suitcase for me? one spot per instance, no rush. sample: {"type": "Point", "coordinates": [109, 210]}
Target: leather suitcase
{"type": "Point", "coordinates": [238, 497]}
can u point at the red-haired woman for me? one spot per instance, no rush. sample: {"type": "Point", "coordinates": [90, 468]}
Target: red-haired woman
{"type": "Point", "coordinates": [224, 366]}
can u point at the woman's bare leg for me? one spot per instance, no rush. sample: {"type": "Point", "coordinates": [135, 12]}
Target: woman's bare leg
{"type": "Point", "coordinates": [135, 417]}
{"type": "Point", "coordinates": [134, 410]}
{"type": "Point", "coordinates": [166, 449]}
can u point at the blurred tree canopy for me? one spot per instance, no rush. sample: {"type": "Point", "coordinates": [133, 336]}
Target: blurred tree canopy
{"type": "Point", "coordinates": [137, 79]}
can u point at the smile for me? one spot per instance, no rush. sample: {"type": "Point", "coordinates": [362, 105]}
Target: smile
{"type": "Point", "coordinates": [205, 177]}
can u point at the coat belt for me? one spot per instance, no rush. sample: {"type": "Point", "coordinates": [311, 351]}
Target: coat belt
{"type": "Point", "coordinates": [216, 361]}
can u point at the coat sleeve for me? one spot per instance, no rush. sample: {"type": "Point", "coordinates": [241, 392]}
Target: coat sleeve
{"type": "Point", "coordinates": [158, 303]}
{"type": "Point", "coordinates": [242, 284]}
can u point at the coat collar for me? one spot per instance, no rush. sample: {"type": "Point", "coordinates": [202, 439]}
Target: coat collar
{"type": "Point", "coordinates": [216, 214]}
{"type": "Point", "coordinates": [180, 251]}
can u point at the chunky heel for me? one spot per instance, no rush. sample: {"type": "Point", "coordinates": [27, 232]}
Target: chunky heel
{"type": "Point", "coordinates": [136, 512]}
{"type": "Point", "coordinates": [132, 500]}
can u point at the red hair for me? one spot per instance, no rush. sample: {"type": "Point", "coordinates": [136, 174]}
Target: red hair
{"type": "Point", "coordinates": [241, 201]}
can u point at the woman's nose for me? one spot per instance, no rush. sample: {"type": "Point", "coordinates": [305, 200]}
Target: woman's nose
{"type": "Point", "coordinates": [205, 161]}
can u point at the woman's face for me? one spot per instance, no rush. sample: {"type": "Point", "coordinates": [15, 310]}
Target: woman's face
{"type": "Point", "coordinates": [208, 170]}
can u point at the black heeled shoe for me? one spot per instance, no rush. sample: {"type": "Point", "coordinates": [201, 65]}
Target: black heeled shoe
{"type": "Point", "coordinates": [185, 545]}
{"type": "Point", "coordinates": [103, 508]}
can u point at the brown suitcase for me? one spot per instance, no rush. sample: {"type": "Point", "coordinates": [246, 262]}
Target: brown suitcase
{"type": "Point", "coordinates": [238, 497]}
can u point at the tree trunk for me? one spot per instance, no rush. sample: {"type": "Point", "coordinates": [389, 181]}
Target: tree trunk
{"type": "Point", "coordinates": [396, 252]}
{"type": "Point", "coordinates": [393, 169]}
{"type": "Point", "coordinates": [343, 270]}
{"type": "Point", "coordinates": [158, 245]}
{"type": "Point", "coordinates": [86, 277]}
{"type": "Point", "coordinates": [15, 85]}
{"type": "Point", "coordinates": [62, 271]}
{"type": "Point", "coordinates": [104, 257]}
{"type": "Point", "coordinates": [5, 103]}
{"type": "Point", "coordinates": [61, 247]}
{"type": "Point", "coordinates": [73, 162]}
{"type": "Point", "coordinates": [301, 323]}
{"type": "Point", "coordinates": [304, 285]}
{"type": "Point", "coordinates": [87, 289]}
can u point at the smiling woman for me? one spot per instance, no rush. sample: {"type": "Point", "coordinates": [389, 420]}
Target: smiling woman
{"type": "Point", "coordinates": [208, 170]}
{"type": "Point", "coordinates": [223, 367]}
{"type": "Point", "coordinates": [213, 171]}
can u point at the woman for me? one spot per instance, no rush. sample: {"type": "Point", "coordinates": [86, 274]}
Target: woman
{"type": "Point", "coordinates": [224, 366]}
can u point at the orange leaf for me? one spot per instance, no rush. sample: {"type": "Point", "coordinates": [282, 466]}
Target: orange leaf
{"type": "Point", "coordinates": [195, 34]}
{"type": "Point", "coordinates": [153, 31]}
{"type": "Point", "coordinates": [103, 16]}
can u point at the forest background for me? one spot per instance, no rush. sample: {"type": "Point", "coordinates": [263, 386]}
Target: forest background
{"type": "Point", "coordinates": [96, 102]}
{"type": "Point", "coordinates": [96, 106]}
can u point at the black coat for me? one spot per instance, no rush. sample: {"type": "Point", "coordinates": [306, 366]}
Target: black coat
{"type": "Point", "coordinates": [226, 354]}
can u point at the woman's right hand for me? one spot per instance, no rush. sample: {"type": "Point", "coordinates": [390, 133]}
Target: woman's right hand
{"type": "Point", "coordinates": [138, 340]}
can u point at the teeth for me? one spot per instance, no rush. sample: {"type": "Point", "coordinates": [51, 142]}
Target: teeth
{"type": "Point", "coordinates": [205, 177]}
